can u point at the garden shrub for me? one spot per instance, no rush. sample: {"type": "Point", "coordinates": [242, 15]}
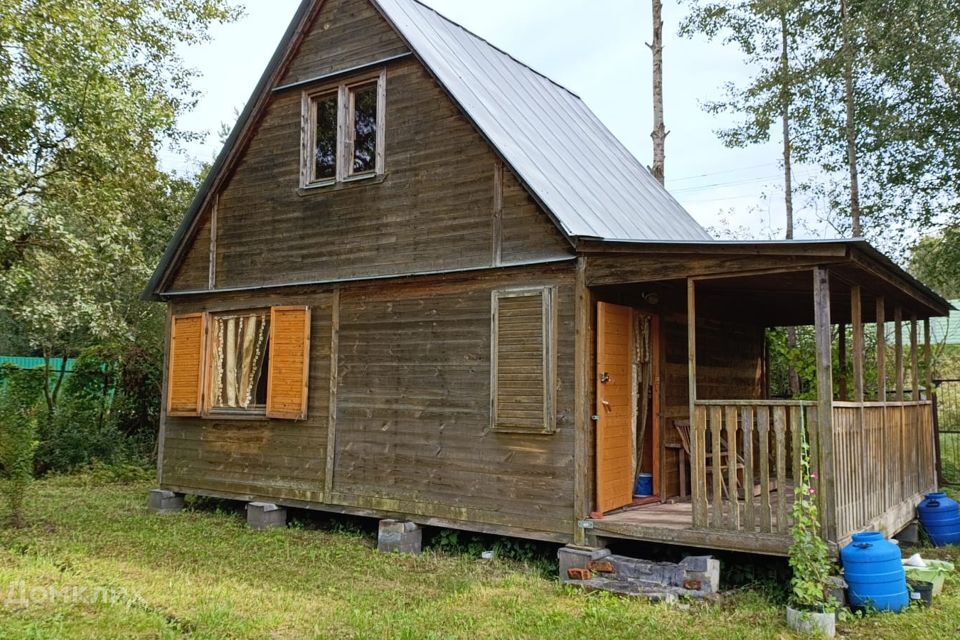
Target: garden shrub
{"type": "Point", "coordinates": [81, 430]}
{"type": "Point", "coordinates": [19, 411]}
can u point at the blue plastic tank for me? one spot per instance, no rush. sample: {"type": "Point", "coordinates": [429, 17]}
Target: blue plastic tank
{"type": "Point", "coordinates": [940, 517]}
{"type": "Point", "coordinates": [873, 569]}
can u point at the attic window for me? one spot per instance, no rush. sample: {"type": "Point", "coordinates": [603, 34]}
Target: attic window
{"type": "Point", "coordinates": [344, 137]}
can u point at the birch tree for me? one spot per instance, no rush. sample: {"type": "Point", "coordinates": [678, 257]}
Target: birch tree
{"type": "Point", "coordinates": [659, 133]}
{"type": "Point", "coordinates": [873, 97]}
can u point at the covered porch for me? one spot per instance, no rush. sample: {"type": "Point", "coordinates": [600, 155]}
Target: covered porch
{"type": "Point", "coordinates": [720, 438]}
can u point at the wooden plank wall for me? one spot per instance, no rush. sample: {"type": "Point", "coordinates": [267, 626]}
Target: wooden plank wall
{"type": "Point", "coordinates": [194, 270]}
{"type": "Point", "coordinates": [413, 408]}
{"type": "Point", "coordinates": [275, 459]}
{"type": "Point", "coordinates": [436, 208]}
{"type": "Point", "coordinates": [345, 34]}
{"type": "Point", "coordinates": [729, 366]}
{"type": "Point", "coordinates": [527, 233]}
{"type": "Point", "coordinates": [412, 412]}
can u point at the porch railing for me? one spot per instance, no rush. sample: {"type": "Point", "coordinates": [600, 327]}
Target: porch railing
{"type": "Point", "coordinates": [746, 463]}
{"type": "Point", "coordinates": [884, 457]}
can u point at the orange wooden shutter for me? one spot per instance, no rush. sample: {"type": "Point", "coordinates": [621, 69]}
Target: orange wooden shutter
{"type": "Point", "coordinates": [289, 367]}
{"type": "Point", "coordinates": [185, 373]}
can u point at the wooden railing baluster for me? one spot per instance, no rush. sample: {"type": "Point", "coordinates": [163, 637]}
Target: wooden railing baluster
{"type": "Point", "coordinates": [763, 429]}
{"type": "Point", "coordinates": [779, 428]}
{"type": "Point", "coordinates": [716, 422]}
{"type": "Point", "coordinates": [749, 518]}
{"type": "Point", "coordinates": [733, 483]}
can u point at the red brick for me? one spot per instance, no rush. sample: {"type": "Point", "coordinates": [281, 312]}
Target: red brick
{"type": "Point", "coordinates": [576, 573]}
{"type": "Point", "coordinates": [600, 566]}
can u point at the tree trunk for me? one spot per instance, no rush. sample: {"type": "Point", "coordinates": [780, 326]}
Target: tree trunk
{"type": "Point", "coordinates": [851, 123]}
{"type": "Point", "coordinates": [786, 104]}
{"type": "Point", "coordinates": [659, 134]}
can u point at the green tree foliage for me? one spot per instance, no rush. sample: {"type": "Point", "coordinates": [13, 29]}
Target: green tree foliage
{"type": "Point", "coordinates": [935, 260]}
{"type": "Point", "coordinates": [90, 93]}
{"type": "Point", "coordinates": [757, 28]}
{"type": "Point", "coordinates": [90, 96]}
{"type": "Point", "coordinates": [902, 59]}
{"type": "Point", "coordinates": [19, 398]}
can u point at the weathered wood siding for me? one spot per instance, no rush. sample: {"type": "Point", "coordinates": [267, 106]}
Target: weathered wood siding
{"type": "Point", "coordinates": [411, 379]}
{"type": "Point", "coordinates": [434, 210]}
{"type": "Point", "coordinates": [413, 417]}
{"type": "Point", "coordinates": [527, 234]}
{"type": "Point", "coordinates": [413, 409]}
{"type": "Point", "coordinates": [193, 273]}
{"type": "Point", "coordinates": [345, 34]}
{"type": "Point", "coordinates": [274, 459]}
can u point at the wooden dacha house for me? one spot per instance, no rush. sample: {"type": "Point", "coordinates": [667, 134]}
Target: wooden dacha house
{"type": "Point", "coordinates": [424, 281]}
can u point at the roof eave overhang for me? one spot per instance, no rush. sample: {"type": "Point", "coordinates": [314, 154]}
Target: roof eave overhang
{"type": "Point", "coordinates": [857, 253]}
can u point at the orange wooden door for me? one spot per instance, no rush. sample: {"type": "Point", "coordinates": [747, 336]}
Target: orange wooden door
{"type": "Point", "coordinates": [615, 410]}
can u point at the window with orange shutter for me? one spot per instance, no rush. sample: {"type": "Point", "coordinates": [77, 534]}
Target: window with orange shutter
{"type": "Point", "coordinates": [240, 363]}
{"type": "Point", "coordinates": [185, 370]}
{"type": "Point", "coordinates": [289, 366]}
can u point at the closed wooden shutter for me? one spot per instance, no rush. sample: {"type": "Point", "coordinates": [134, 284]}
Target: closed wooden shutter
{"type": "Point", "coordinates": [523, 361]}
{"type": "Point", "coordinates": [289, 366]}
{"type": "Point", "coordinates": [185, 373]}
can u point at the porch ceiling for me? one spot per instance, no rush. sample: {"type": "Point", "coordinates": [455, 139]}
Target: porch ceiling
{"type": "Point", "coordinates": [768, 284]}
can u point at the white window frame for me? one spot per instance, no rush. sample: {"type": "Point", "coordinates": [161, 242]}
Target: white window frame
{"type": "Point", "coordinates": [345, 130]}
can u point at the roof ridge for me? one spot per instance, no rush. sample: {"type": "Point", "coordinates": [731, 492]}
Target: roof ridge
{"type": "Point", "coordinates": [498, 49]}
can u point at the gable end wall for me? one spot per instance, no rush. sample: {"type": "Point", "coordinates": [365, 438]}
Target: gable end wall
{"type": "Point", "coordinates": [433, 211]}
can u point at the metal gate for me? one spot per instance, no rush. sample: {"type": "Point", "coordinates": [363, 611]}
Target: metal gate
{"type": "Point", "coordinates": [946, 415]}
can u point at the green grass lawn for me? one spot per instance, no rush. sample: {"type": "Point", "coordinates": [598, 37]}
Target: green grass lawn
{"type": "Point", "coordinates": [201, 574]}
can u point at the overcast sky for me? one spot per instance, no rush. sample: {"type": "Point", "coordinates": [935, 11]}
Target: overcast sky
{"type": "Point", "coordinates": [598, 53]}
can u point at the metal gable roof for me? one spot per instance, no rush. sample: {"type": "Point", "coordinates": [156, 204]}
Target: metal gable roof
{"type": "Point", "coordinates": [575, 166]}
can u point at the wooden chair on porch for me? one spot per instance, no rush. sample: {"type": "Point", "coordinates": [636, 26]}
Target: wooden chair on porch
{"type": "Point", "coordinates": [683, 430]}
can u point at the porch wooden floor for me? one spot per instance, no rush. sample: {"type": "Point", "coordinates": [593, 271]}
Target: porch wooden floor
{"type": "Point", "coordinates": [673, 524]}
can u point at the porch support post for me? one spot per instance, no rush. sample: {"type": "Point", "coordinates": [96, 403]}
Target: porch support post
{"type": "Point", "coordinates": [898, 349]}
{"type": "Point", "coordinates": [927, 359]}
{"type": "Point", "coordinates": [583, 406]}
{"type": "Point", "coordinates": [698, 480]}
{"type": "Point", "coordinates": [914, 359]}
{"type": "Point", "coordinates": [856, 319]}
{"type": "Point", "coordinates": [821, 306]}
{"type": "Point", "coordinates": [841, 374]}
{"type": "Point", "coordinates": [916, 431]}
{"type": "Point", "coordinates": [898, 366]}
{"type": "Point", "coordinates": [881, 351]}
{"type": "Point", "coordinates": [935, 478]}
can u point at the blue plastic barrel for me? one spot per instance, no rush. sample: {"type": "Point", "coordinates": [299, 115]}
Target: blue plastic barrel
{"type": "Point", "coordinates": [644, 485]}
{"type": "Point", "coordinates": [873, 569]}
{"type": "Point", "coordinates": [940, 517]}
